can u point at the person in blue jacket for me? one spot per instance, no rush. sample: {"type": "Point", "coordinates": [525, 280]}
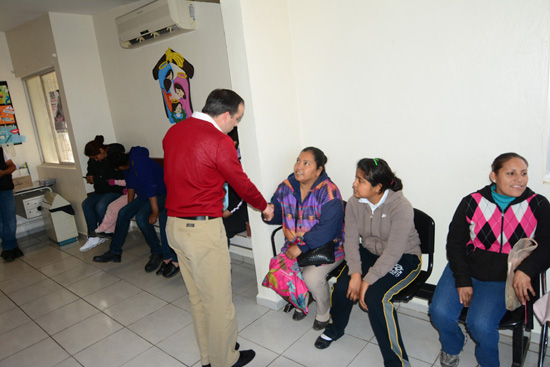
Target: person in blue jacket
{"type": "Point", "coordinates": [144, 178]}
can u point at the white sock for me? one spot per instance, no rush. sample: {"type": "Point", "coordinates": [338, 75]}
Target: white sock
{"type": "Point", "coordinates": [326, 337]}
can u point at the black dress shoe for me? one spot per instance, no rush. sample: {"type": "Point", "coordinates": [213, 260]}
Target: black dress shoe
{"type": "Point", "coordinates": [108, 256]}
{"type": "Point", "coordinates": [8, 256]}
{"type": "Point", "coordinates": [298, 315]}
{"type": "Point", "coordinates": [245, 357]}
{"type": "Point", "coordinates": [161, 269]}
{"type": "Point", "coordinates": [17, 252]}
{"type": "Point", "coordinates": [153, 263]}
{"type": "Point", "coordinates": [170, 270]}
{"type": "Point", "coordinates": [320, 325]}
{"type": "Point", "coordinates": [321, 343]}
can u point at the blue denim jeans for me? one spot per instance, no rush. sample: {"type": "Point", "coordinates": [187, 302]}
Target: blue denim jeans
{"type": "Point", "coordinates": [141, 209]}
{"type": "Point", "coordinates": [8, 222]}
{"type": "Point", "coordinates": [95, 206]}
{"type": "Point", "coordinates": [487, 308]}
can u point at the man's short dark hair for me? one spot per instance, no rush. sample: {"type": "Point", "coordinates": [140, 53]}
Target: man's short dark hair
{"type": "Point", "coordinates": [220, 101]}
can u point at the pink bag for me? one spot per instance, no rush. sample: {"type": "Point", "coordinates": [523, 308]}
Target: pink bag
{"type": "Point", "coordinates": [285, 278]}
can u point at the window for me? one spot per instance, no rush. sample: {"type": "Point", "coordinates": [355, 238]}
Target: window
{"type": "Point", "coordinates": [49, 118]}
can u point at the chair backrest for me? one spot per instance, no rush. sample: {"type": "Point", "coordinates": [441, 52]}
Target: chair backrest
{"type": "Point", "coordinates": [425, 226]}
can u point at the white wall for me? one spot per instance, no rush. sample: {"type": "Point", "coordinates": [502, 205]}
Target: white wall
{"type": "Point", "coordinates": [134, 96]}
{"type": "Point", "coordinates": [260, 59]}
{"type": "Point", "coordinates": [437, 88]}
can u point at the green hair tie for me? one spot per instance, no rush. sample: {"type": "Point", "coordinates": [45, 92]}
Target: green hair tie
{"type": "Point", "coordinates": [375, 161]}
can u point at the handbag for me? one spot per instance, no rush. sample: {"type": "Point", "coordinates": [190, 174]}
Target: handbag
{"type": "Point", "coordinates": [519, 252]}
{"type": "Point", "coordinates": [317, 256]}
{"type": "Point", "coordinates": [285, 278]}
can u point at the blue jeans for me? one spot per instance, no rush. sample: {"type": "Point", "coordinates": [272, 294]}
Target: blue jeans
{"type": "Point", "coordinates": [95, 206]}
{"type": "Point", "coordinates": [8, 222]}
{"type": "Point", "coordinates": [487, 308]}
{"type": "Point", "coordinates": [141, 209]}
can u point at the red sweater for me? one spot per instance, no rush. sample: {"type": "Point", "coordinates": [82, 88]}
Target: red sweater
{"type": "Point", "coordinates": [198, 160]}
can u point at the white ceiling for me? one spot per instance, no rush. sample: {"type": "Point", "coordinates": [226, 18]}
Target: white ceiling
{"type": "Point", "coordinates": [16, 12]}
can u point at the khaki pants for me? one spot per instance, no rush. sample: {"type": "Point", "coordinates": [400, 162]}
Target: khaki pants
{"type": "Point", "coordinates": [315, 278]}
{"type": "Point", "coordinates": [205, 265]}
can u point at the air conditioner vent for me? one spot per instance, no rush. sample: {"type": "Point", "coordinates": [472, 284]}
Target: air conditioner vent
{"type": "Point", "coordinates": [157, 20]}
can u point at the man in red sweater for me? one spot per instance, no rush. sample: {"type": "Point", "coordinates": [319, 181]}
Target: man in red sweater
{"type": "Point", "coordinates": [198, 159]}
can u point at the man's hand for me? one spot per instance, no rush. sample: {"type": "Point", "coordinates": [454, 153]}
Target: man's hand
{"type": "Point", "coordinates": [226, 214]}
{"type": "Point", "coordinates": [522, 286]}
{"type": "Point", "coordinates": [354, 287]}
{"type": "Point", "coordinates": [362, 292]}
{"type": "Point", "coordinates": [465, 295]}
{"type": "Point", "coordinates": [269, 212]}
{"type": "Point", "coordinates": [293, 251]}
{"type": "Point", "coordinates": [153, 217]}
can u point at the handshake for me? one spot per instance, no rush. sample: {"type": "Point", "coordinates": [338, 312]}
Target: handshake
{"type": "Point", "coordinates": [268, 212]}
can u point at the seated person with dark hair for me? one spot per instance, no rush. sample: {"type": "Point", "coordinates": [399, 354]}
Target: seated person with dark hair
{"type": "Point", "coordinates": [145, 178]}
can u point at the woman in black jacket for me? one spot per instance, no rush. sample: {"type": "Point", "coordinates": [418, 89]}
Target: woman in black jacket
{"type": "Point", "coordinates": [99, 173]}
{"type": "Point", "coordinates": [485, 227]}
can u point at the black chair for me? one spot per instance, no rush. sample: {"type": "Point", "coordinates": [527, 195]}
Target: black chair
{"type": "Point", "coordinates": [425, 226]}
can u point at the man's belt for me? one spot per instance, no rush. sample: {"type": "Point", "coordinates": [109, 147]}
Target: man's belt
{"type": "Point", "coordinates": [200, 217]}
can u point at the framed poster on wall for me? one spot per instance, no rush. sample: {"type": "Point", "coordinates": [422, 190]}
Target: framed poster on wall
{"type": "Point", "coordinates": [9, 132]}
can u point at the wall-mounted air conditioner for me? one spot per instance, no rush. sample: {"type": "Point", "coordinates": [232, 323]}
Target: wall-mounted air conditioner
{"type": "Point", "coordinates": [155, 21]}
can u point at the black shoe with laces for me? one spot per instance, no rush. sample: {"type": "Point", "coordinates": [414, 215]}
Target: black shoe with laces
{"type": "Point", "coordinates": [108, 256]}
{"type": "Point", "coordinates": [153, 263]}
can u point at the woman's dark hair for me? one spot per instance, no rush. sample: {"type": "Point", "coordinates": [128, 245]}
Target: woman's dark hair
{"type": "Point", "coordinates": [234, 135]}
{"type": "Point", "coordinates": [320, 157]}
{"type": "Point", "coordinates": [178, 86]}
{"type": "Point", "coordinates": [220, 101]}
{"type": "Point", "coordinates": [118, 159]}
{"type": "Point", "coordinates": [92, 148]}
{"type": "Point", "coordinates": [377, 171]}
{"type": "Point", "coordinates": [503, 158]}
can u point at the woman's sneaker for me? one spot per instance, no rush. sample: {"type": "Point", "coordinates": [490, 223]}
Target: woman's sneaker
{"type": "Point", "coordinates": [448, 360]}
{"type": "Point", "coordinates": [92, 242]}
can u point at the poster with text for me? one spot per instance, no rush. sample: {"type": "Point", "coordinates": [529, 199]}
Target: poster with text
{"type": "Point", "coordinates": [9, 132]}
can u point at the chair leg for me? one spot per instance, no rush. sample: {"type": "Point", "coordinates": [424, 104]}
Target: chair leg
{"type": "Point", "coordinates": [520, 346]}
{"type": "Point", "coordinates": [543, 344]}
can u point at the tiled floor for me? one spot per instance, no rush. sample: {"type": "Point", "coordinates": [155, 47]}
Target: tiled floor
{"type": "Point", "coordinates": [59, 308]}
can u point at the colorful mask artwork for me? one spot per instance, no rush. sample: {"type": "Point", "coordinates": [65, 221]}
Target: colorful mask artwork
{"type": "Point", "coordinates": [173, 73]}
{"type": "Point", "coordinates": [9, 132]}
